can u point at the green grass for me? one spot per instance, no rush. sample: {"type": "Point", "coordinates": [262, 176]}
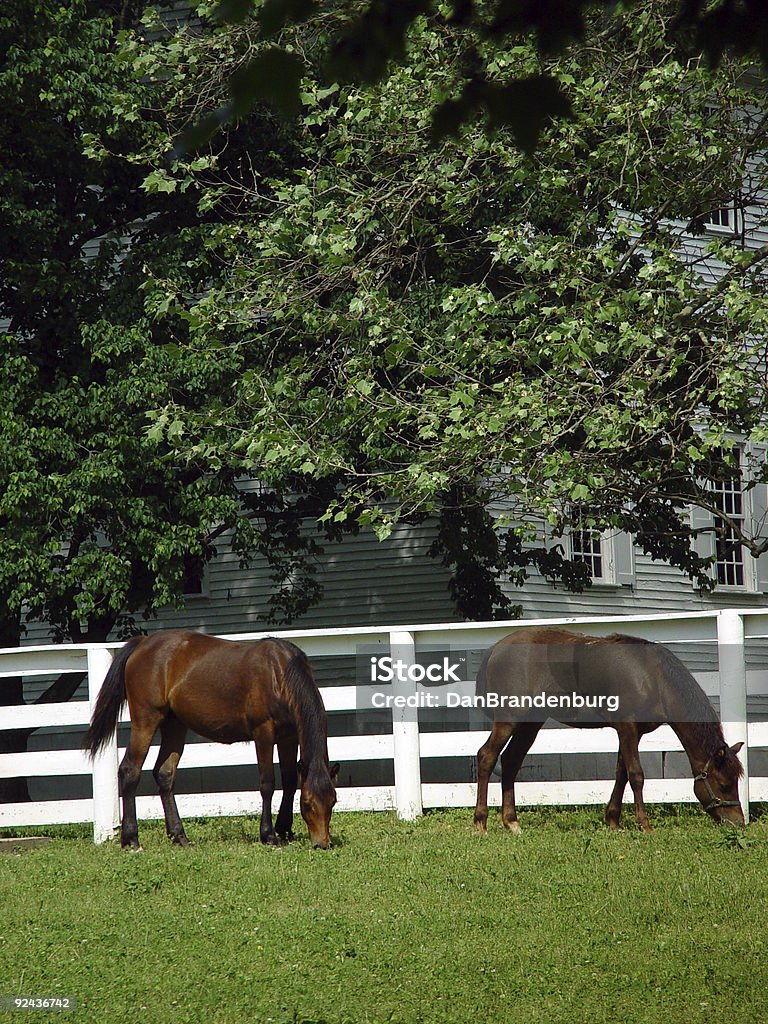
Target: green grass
{"type": "Point", "coordinates": [412, 922]}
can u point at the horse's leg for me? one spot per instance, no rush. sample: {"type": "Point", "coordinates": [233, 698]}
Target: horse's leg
{"type": "Point", "coordinates": [129, 773]}
{"type": "Point", "coordinates": [172, 736]}
{"type": "Point", "coordinates": [486, 759]}
{"type": "Point", "coordinates": [511, 760]}
{"type": "Point", "coordinates": [629, 737]}
{"type": "Point", "coordinates": [265, 746]}
{"type": "Point", "coordinates": [287, 752]}
{"type": "Point", "coordinates": [613, 807]}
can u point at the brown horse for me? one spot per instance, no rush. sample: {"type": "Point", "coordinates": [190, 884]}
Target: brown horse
{"type": "Point", "coordinates": [650, 686]}
{"type": "Point", "coordinates": [229, 692]}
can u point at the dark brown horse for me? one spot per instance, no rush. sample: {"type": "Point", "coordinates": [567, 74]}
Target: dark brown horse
{"type": "Point", "coordinates": [229, 692]}
{"type": "Point", "coordinates": [557, 668]}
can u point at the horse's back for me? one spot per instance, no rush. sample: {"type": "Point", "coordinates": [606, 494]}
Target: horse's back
{"type": "Point", "coordinates": [529, 655]}
{"type": "Point", "coordinates": [223, 689]}
{"type": "Point", "coordinates": [549, 663]}
{"type": "Point", "coordinates": [559, 635]}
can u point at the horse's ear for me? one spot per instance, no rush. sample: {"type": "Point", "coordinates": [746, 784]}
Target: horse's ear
{"type": "Point", "coordinates": [300, 768]}
{"type": "Point", "coordinates": [722, 752]}
{"type": "Point", "coordinates": [335, 771]}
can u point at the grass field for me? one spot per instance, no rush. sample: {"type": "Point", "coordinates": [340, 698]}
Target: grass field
{"type": "Point", "coordinates": [400, 922]}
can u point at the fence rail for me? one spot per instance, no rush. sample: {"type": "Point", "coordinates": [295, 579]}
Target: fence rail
{"type": "Point", "coordinates": [405, 746]}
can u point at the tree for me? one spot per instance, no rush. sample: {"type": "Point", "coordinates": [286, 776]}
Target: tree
{"type": "Point", "coordinates": [456, 329]}
{"type": "Point", "coordinates": [99, 521]}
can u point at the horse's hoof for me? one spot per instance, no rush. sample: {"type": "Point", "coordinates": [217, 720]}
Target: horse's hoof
{"type": "Point", "coordinates": [286, 837]}
{"type": "Point", "coordinates": [481, 825]}
{"type": "Point", "coordinates": [270, 840]}
{"type": "Point", "coordinates": [513, 827]}
{"type": "Point", "coordinates": [134, 848]}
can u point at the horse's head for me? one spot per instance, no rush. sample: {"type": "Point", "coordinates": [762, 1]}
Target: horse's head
{"type": "Point", "coordinates": [717, 785]}
{"type": "Point", "coordinates": [317, 799]}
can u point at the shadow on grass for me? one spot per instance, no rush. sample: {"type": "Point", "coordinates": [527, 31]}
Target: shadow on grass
{"type": "Point", "coordinates": [245, 830]}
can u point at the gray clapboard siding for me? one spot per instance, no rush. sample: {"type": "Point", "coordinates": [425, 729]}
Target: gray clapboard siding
{"type": "Point", "coordinates": [365, 582]}
{"type": "Point", "coordinates": [658, 588]}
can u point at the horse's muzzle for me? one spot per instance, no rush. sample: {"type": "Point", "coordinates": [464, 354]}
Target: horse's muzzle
{"type": "Point", "coordinates": [732, 816]}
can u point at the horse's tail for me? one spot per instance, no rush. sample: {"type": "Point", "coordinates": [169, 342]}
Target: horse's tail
{"type": "Point", "coordinates": [111, 698]}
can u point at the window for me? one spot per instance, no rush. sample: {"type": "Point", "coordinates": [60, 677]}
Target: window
{"type": "Point", "coordinates": [608, 555]}
{"type": "Point", "coordinates": [720, 218]}
{"type": "Point", "coordinates": [724, 218]}
{"type": "Point", "coordinates": [729, 499]}
{"type": "Point", "coordinates": [738, 493]}
{"type": "Point", "coordinates": [194, 571]}
{"type": "Point", "coordinates": [587, 546]}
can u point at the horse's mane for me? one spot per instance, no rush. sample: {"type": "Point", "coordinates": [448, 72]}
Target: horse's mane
{"type": "Point", "coordinates": [554, 634]}
{"type": "Point", "coordinates": [705, 726]}
{"type": "Point", "coordinates": [625, 638]}
{"type": "Point", "coordinates": [303, 697]}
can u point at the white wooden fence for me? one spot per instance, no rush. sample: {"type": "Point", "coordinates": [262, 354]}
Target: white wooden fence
{"type": "Point", "coordinates": [725, 630]}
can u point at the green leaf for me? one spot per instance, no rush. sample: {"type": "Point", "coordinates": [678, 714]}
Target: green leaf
{"type": "Point", "coordinates": [272, 77]}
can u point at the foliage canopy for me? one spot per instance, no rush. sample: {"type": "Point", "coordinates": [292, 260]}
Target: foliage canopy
{"type": "Point", "coordinates": [465, 330]}
{"type": "Point", "coordinates": [99, 523]}
{"type": "Point", "coordinates": [370, 326]}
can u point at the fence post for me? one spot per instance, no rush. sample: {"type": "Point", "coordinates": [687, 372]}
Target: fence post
{"type": "Point", "coordinates": [405, 733]}
{"type": "Point", "coordinates": [106, 806]}
{"type": "Point", "coordinates": [732, 667]}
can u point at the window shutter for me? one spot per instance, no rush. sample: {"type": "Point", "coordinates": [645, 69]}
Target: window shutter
{"type": "Point", "coordinates": [624, 559]}
{"type": "Point", "coordinates": [758, 497]}
{"type": "Point", "coordinates": [704, 544]}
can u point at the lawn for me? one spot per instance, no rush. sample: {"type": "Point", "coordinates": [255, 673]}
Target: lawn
{"type": "Point", "coordinates": [400, 922]}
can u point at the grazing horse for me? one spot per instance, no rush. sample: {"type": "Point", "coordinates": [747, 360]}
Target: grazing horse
{"type": "Point", "coordinates": [226, 691]}
{"type": "Point", "coordinates": [535, 668]}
